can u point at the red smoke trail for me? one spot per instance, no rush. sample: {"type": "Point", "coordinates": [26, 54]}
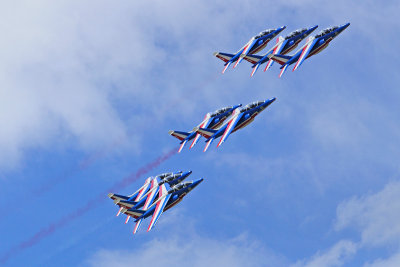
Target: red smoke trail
{"type": "Point", "coordinates": [44, 188]}
{"type": "Point", "coordinates": [53, 227]}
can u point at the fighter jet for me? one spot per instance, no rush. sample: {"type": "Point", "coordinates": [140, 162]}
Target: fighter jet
{"type": "Point", "coordinates": [253, 46]}
{"type": "Point", "coordinates": [211, 120]}
{"type": "Point", "coordinates": [313, 46]}
{"type": "Point", "coordinates": [241, 117]}
{"type": "Point", "coordinates": [146, 197]}
{"type": "Point", "coordinates": [283, 46]}
{"type": "Point", "coordinates": [166, 199]}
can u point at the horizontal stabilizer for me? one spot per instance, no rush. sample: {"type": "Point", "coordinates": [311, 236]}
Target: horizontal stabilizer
{"type": "Point", "coordinates": [224, 56]}
{"type": "Point", "coordinates": [253, 59]}
{"type": "Point", "coordinates": [126, 203]}
{"type": "Point", "coordinates": [206, 132]}
{"type": "Point", "coordinates": [180, 135]}
{"type": "Point", "coordinates": [134, 213]}
{"type": "Point", "coordinates": [117, 197]}
{"type": "Point", "coordinates": [281, 59]}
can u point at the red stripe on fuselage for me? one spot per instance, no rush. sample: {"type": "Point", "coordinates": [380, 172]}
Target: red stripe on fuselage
{"type": "Point", "coordinates": [259, 48]}
{"type": "Point", "coordinates": [290, 48]}
{"type": "Point", "coordinates": [246, 122]}
{"type": "Point", "coordinates": [320, 48]}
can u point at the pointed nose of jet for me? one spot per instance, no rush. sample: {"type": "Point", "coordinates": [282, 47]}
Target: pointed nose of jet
{"type": "Point", "coordinates": [281, 29]}
{"type": "Point", "coordinates": [268, 102]}
{"type": "Point", "coordinates": [343, 27]}
{"type": "Point", "coordinates": [186, 174]}
{"type": "Point", "coordinates": [236, 106]}
{"type": "Point", "coordinates": [312, 29]}
{"type": "Point", "coordinates": [196, 183]}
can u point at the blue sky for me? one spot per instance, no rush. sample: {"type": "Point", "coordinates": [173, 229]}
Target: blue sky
{"type": "Point", "coordinates": [90, 89]}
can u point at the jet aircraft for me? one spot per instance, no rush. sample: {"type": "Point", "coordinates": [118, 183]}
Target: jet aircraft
{"type": "Point", "coordinates": [254, 45]}
{"type": "Point", "coordinates": [137, 200]}
{"type": "Point", "coordinates": [155, 206]}
{"type": "Point", "coordinates": [211, 120]}
{"type": "Point", "coordinates": [313, 46]}
{"type": "Point", "coordinates": [241, 117]}
{"type": "Point", "coordinates": [283, 46]}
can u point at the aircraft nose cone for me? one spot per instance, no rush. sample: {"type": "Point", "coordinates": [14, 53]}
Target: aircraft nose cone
{"type": "Point", "coordinates": [344, 26]}
{"type": "Point", "coordinates": [188, 173]}
{"type": "Point", "coordinates": [196, 183]}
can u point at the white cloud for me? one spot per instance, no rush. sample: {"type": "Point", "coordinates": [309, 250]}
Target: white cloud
{"type": "Point", "coordinates": [375, 216]}
{"type": "Point", "coordinates": [191, 250]}
{"type": "Point", "coordinates": [392, 261]}
{"type": "Point", "coordinates": [335, 256]}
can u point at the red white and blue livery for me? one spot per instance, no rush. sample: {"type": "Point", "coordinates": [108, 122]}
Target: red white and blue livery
{"type": "Point", "coordinates": [283, 46]}
{"type": "Point", "coordinates": [240, 118]}
{"type": "Point", "coordinates": [313, 46]}
{"type": "Point", "coordinates": [157, 199]}
{"type": "Point", "coordinates": [211, 120]}
{"type": "Point", "coordinates": [253, 46]}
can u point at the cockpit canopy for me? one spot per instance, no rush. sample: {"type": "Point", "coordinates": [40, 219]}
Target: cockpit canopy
{"type": "Point", "coordinates": [163, 175]}
{"type": "Point", "coordinates": [263, 33]}
{"type": "Point", "coordinates": [252, 105]}
{"type": "Point", "coordinates": [181, 185]}
{"type": "Point", "coordinates": [326, 31]}
{"type": "Point", "coordinates": [296, 32]}
{"type": "Point", "coordinates": [220, 111]}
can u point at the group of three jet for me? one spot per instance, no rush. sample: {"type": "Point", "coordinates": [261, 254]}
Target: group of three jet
{"type": "Point", "coordinates": [284, 45]}
{"type": "Point", "coordinates": [153, 198]}
{"type": "Point", "coordinates": [222, 123]}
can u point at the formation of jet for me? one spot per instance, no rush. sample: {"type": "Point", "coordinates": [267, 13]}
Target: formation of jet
{"type": "Point", "coordinates": [313, 46]}
{"type": "Point", "coordinates": [254, 45]}
{"type": "Point", "coordinates": [240, 118]}
{"type": "Point", "coordinates": [223, 122]}
{"type": "Point", "coordinates": [164, 191]}
{"type": "Point", "coordinates": [284, 45]}
{"type": "Point", "coordinates": [211, 120]}
{"type": "Point", "coordinates": [153, 198]}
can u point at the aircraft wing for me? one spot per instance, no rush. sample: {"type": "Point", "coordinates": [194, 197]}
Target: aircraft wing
{"type": "Point", "coordinates": [203, 124]}
{"type": "Point", "coordinates": [305, 52]}
{"type": "Point", "coordinates": [231, 125]}
{"type": "Point", "coordinates": [163, 193]}
{"type": "Point", "coordinates": [276, 50]}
